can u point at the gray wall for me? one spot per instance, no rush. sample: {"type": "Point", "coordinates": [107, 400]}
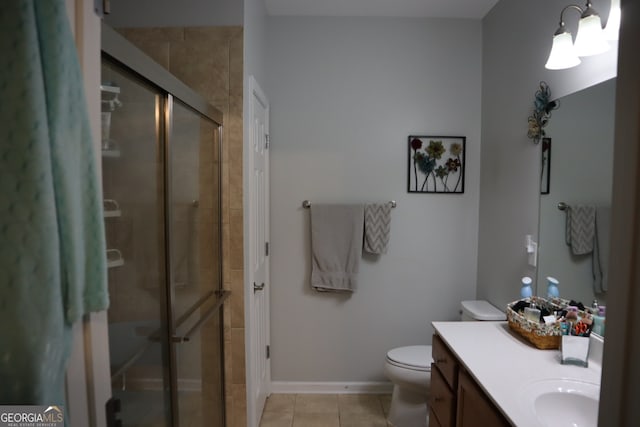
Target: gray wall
{"type": "Point", "coordinates": [255, 27]}
{"type": "Point", "coordinates": [515, 49]}
{"type": "Point", "coordinates": [173, 13]}
{"type": "Point", "coordinates": [345, 93]}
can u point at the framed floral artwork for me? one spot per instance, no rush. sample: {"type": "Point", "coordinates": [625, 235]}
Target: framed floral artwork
{"type": "Point", "coordinates": [436, 164]}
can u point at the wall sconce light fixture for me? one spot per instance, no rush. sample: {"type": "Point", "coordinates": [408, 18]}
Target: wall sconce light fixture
{"type": "Point", "coordinates": [612, 30]}
{"type": "Point", "coordinates": [591, 39]}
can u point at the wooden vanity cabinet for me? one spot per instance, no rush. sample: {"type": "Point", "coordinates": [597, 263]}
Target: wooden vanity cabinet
{"type": "Point", "coordinates": [444, 385]}
{"type": "Point", "coordinates": [455, 399]}
{"type": "Point", "coordinates": [474, 407]}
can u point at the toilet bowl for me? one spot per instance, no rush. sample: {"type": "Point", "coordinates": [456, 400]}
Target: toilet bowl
{"type": "Point", "coordinates": [409, 369]}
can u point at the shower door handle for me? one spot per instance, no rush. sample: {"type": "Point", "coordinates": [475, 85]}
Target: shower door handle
{"type": "Point", "coordinates": [257, 288]}
{"type": "Point", "coordinates": [222, 296]}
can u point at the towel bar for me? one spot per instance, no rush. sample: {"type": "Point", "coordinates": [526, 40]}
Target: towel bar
{"type": "Point", "coordinates": [562, 206]}
{"type": "Point", "coordinates": [307, 204]}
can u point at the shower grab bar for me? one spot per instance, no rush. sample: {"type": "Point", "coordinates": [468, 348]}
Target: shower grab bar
{"type": "Point", "coordinates": [307, 204]}
{"type": "Point", "coordinates": [137, 355]}
{"type": "Point", "coordinates": [224, 294]}
{"type": "Point", "coordinates": [154, 337]}
{"type": "Point", "coordinates": [193, 308]}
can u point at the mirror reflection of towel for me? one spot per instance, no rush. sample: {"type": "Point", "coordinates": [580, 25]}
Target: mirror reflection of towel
{"type": "Point", "coordinates": [580, 228]}
{"type": "Point", "coordinates": [601, 249]}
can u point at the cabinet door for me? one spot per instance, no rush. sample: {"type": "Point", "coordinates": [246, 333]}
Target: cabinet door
{"type": "Point", "coordinates": [445, 361]}
{"type": "Point", "coordinates": [442, 400]}
{"type": "Point", "coordinates": [433, 420]}
{"type": "Point", "coordinates": [474, 407]}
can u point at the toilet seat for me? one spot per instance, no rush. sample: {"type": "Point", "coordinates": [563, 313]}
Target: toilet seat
{"type": "Point", "coordinates": [414, 357]}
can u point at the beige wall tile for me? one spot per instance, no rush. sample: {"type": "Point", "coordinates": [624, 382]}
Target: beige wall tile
{"type": "Point", "coordinates": [235, 236]}
{"type": "Point", "coordinates": [235, 189]}
{"type": "Point", "coordinates": [209, 60]}
{"type": "Point", "coordinates": [236, 62]}
{"type": "Point", "coordinates": [225, 193]}
{"type": "Point", "coordinates": [158, 34]}
{"type": "Point", "coordinates": [239, 392]}
{"type": "Point", "coordinates": [226, 250]}
{"type": "Point", "coordinates": [205, 68]}
{"type": "Point", "coordinates": [237, 299]}
{"type": "Point", "coordinates": [212, 35]}
{"type": "Point", "coordinates": [238, 356]}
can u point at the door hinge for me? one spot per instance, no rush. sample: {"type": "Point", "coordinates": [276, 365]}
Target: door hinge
{"type": "Point", "coordinates": [268, 352]}
{"type": "Point", "coordinates": [266, 248]}
{"type": "Point", "coordinates": [266, 141]}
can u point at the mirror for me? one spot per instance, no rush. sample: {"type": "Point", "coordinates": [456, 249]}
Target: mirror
{"type": "Point", "coordinates": [577, 170]}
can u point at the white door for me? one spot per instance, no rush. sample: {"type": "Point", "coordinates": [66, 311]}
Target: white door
{"type": "Point", "coordinates": [258, 292]}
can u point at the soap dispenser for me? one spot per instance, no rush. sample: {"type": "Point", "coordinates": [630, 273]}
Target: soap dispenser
{"type": "Point", "coordinates": [525, 290]}
{"type": "Point", "coordinates": [552, 287]}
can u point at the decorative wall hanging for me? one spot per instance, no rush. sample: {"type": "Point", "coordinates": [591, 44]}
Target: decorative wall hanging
{"type": "Point", "coordinates": [542, 107]}
{"type": "Point", "coordinates": [436, 164]}
{"type": "Point", "coordinates": [545, 169]}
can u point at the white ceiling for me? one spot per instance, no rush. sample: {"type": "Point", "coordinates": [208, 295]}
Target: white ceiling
{"type": "Point", "coordinates": [474, 9]}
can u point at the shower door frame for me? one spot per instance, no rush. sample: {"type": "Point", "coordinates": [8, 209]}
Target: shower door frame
{"type": "Point", "coordinates": [118, 50]}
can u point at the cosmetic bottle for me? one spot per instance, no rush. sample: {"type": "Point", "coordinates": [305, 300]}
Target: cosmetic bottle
{"type": "Point", "coordinates": [525, 290]}
{"type": "Point", "coordinates": [532, 313]}
{"type": "Point", "coordinates": [552, 287]}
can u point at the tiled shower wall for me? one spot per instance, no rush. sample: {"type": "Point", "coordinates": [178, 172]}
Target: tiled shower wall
{"type": "Point", "coordinates": [209, 60]}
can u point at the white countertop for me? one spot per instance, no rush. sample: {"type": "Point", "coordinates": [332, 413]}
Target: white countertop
{"type": "Point", "coordinates": [502, 363]}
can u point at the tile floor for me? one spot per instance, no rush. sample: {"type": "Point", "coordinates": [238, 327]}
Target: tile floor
{"type": "Point", "coordinates": [326, 410]}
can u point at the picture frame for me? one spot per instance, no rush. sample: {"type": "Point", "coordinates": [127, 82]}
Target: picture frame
{"type": "Point", "coordinates": [436, 164]}
{"type": "Point", "coordinates": [545, 166]}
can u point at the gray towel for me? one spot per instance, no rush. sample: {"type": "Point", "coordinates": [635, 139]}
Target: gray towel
{"type": "Point", "coordinates": [580, 228]}
{"type": "Point", "coordinates": [601, 245]}
{"type": "Point", "coordinates": [336, 246]}
{"type": "Point", "coordinates": [377, 227]}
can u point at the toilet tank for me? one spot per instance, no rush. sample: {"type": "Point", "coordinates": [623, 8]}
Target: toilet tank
{"type": "Point", "coordinates": [480, 310]}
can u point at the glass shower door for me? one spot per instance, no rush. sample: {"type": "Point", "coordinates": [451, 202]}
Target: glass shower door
{"type": "Point", "coordinates": [195, 267]}
{"type": "Point", "coordinates": [133, 188]}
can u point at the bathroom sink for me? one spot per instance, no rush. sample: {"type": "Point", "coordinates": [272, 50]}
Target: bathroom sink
{"type": "Point", "coordinates": [562, 402]}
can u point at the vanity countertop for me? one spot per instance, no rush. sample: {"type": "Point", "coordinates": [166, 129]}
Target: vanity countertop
{"type": "Point", "coordinates": [502, 363]}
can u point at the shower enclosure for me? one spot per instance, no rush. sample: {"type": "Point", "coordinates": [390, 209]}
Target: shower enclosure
{"type": "Point", "coordinates": [161, 168]}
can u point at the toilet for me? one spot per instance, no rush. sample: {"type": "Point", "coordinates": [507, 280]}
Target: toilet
{"type": "Point", "coordinates": [409, 369]}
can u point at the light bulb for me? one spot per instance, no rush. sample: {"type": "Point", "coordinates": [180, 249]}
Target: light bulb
{"type": "Point", "coordinates": [612, 30]}
{"type": "Point", "coordinates": [563, 54]}
{"type": "Point", "coordinates": [590, 38]}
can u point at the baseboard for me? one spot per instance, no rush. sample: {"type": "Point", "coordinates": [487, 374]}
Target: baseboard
{"type": "Point", "coordinates": [304, 387]}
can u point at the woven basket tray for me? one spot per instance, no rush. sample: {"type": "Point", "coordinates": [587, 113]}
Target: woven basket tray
{"type": "Point", "coordinates": [544, 337]}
